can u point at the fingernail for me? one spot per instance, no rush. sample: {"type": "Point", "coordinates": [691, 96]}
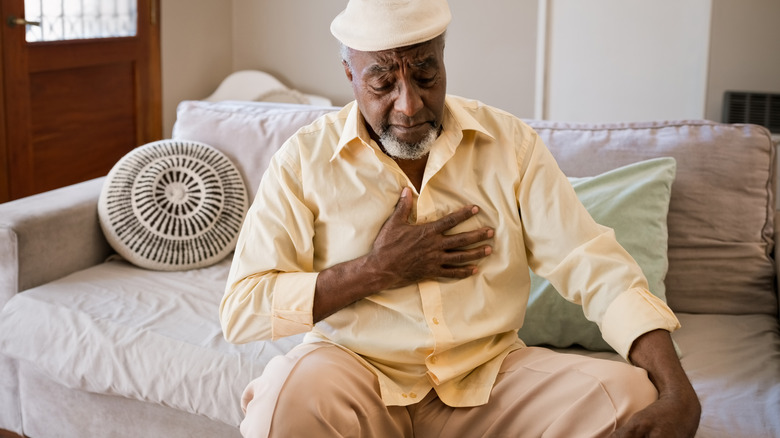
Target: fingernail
{"type": "Point", "coordinates": [488, 250]}
{"type": "Point", "coordinates": [475, 209]}
{"type": "Point", "coordinates": [490, 233]}
{"type": "Point", "coordinates": [405, 192]}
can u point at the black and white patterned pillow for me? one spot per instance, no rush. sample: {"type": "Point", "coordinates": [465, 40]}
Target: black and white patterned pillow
{"type": "Point", "coordinates": [173, 205]}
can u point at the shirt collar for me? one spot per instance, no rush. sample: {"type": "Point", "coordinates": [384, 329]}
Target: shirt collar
{"type": "Point", "coordinates": [354, 129]}
{"type": "Point", "coordinates": [462, 118]}
{"type": "Point", "coordinates": [456, 118]}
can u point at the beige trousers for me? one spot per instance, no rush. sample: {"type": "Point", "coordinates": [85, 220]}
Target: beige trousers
{"type": "Point", "coordinates": [319, 390]}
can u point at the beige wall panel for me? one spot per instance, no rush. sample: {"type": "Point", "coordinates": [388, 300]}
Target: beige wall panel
{"type": "Point", "coordinates": [744, 50]}
{"type": "Point", "coordinates": [196, 47]}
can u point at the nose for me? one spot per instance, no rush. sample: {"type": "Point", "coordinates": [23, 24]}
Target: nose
{"type": "Point", "coordinates": [409, 101]}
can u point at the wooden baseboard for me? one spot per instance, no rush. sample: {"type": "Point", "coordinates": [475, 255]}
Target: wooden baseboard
{"type": "Point", "coordinates": [7, 434]}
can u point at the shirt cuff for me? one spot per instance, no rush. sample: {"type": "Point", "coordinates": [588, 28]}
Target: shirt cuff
{"type": "Point", "coordinates": [632, 314]}
{"type": "Point", "coordinates": [293, 303]}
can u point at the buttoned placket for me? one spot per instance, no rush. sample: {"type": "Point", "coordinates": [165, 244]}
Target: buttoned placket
{"type": "Point", "coordinates": [430, 291]}
{"type": "Point", "coordinates": [431, 294]}
{"type": "Point", "coordinates": [424, 210]}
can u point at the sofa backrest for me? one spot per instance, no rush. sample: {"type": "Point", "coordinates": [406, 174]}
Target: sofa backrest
{"type": "Point", "coordinates": [721, 215]}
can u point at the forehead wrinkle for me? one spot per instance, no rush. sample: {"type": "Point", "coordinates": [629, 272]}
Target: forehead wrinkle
{"type": "Point", "coordinates": [390, 63]}
{"type": "Point", "coordinates": [422, 55]}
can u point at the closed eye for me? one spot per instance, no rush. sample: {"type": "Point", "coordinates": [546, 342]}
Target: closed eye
{"type": "Point", "coordinates": [380, 88]}
{"type": "Point", "coordinates": [426, 81]}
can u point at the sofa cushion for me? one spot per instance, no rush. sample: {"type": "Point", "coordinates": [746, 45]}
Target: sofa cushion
{"type": "Point", "coordinates": [173, 205]}
{"type": "Point", "coordinates": [249, 133]}
{"type": "Point", "coordinates": [732, 361]}
{"type": "Point", "coordinates": [633, 200]}
{"type": "Point", "coordinates": [721, 213]}
{"type": "Point", "coordinates": [147, 335]}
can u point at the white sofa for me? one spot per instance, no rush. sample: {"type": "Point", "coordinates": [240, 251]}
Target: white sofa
{"type": "Point", "coordinates": [91, 345]}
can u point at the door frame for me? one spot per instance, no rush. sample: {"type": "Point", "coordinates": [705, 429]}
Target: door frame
{"type": "Point", "coordinates": [148, 105]}
{"type": "Point", "coordinates": [5, 169]}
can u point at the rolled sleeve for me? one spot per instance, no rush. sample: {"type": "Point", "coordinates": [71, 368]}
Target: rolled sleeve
{"type": "Point", "coordinates": [292, 312]}
{"type": "Point", "coordinates": [632, 314]}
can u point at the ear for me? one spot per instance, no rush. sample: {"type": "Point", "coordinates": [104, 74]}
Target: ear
{"type": "Point", "coordinates": [347, 70]}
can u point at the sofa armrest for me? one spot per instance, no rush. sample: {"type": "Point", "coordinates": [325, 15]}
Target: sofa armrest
{"type": "Point", "coordinates": [47, 236]}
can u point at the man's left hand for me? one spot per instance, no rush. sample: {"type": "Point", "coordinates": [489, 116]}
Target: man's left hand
{"type": "Point", "coordinates": [667, 417]}
{"type": "Point", "coordinates": [677, 411]}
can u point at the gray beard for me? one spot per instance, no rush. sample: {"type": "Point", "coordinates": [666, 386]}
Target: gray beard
{"type": "Point", "coordinates": [402, 150]}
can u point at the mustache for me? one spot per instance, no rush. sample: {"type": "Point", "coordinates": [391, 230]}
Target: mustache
{"type": "Point", "coordinates": [407, 121]}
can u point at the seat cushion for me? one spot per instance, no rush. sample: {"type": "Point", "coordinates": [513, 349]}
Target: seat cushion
{"type": "Point", "coordinates": [154, 336]}
{"type": "Point", "coordinates": [147, 335]}
{"type": "Point", "coordinates": [733, 362]}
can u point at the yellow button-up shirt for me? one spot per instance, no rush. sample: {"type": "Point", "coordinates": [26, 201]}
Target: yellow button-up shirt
{"type": "Point", "coordinates": [328, 191]}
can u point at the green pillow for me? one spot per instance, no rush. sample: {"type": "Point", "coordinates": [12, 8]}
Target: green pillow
{"type": "Point", "coordinates": [634, 201]}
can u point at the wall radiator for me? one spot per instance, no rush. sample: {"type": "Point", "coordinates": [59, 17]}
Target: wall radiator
{"type": "Point", "coordinates": [756, 108]}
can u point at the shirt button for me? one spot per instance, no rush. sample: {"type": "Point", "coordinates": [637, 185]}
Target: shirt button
{"type": "Point", "coordinates": [433, 360]}
{"type": "Point", "coordinates": [412, 395]}
{"type": "Point", "coordinates": [436, 321]}
{"type": "Point", "coordinates": [404, 395]}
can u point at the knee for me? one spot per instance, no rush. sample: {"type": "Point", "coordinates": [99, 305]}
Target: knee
{"type": "Point", "coordinates": [327, 384]}
{"type": "Point", "coordinates": [630, 390]}
{"type": "Point", "coordinates": [331, 393]}
{"type": "Point", "coordinates": [613, 393]}
{"type": "Point", "coordinates": [300, 393]}
{"type": "Point", "coordinates": [324, 375]}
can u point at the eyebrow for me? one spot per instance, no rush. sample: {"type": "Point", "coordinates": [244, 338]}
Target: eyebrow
{"type": "Point", "coordinates": [378, 68]}
{"type": "Point", "coordinates": [428, 61]}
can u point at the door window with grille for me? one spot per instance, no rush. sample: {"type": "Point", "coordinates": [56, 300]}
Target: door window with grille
{"type": "Point", "coordinates": [80, 19]}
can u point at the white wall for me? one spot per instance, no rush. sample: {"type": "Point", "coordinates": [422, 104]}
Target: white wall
{"type": "Point", "coordinates": [490, 52]}
{"type": "Point", "coordinates": [607, 60]}
{"type": "Point", "coordinates": [626, 60]}
{"type": "Point", "coordinates": [291, 40]}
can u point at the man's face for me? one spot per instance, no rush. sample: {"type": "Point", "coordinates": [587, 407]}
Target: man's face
{"type": "Point", "coordinates": [400, 92]}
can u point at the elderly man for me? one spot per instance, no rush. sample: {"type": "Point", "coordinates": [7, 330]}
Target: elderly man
{"type": "Point", "coordinates": [398, 234]}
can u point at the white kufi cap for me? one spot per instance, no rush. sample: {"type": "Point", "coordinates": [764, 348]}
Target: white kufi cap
{"type": "Point", "coordinates": [374, 25]}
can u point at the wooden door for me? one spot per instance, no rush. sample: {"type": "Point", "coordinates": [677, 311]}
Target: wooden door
{"type": "Point", "coordinates": [72, 108]}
